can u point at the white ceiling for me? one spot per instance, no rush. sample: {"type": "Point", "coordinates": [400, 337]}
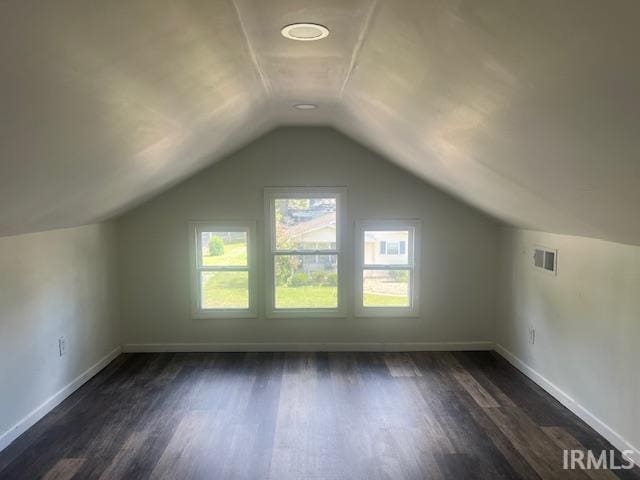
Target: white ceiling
{"type": "Point", "coordinates": [529, 110]}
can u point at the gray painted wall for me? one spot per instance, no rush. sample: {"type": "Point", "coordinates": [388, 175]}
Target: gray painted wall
{"type": "Point", "coordinates": [587, 322]}
{"type": "Point", "coordinates": [56, 283]}
{"type": "Point", "coordinates": [459, 246]}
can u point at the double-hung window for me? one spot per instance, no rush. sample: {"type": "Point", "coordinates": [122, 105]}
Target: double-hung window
{"type": "Point", "coordinates": [387, 277]}
{"type": "Point", "coordinates": [223, 269]}
{"type": "Point", "coordinates": [304, 245]}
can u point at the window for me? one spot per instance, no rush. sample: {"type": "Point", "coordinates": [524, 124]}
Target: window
{"type": "Point", "coordinates": [223, 284]}
{"type": "Point", "coordinates": [387, 277]}
{"type": "Point", "coordinates": [304, 271]}
{"type": "Point", "coordinates": [393, 248]}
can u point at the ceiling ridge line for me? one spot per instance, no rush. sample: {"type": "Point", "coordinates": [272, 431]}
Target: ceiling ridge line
{"type": "Point", "coordinates": [358, 46]}
{"type": "Point", "coordinates": [252, 53]}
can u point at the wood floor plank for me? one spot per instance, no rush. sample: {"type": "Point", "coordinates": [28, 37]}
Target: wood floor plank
{"type": "Point", "coordinates": [533, 444]}
{"type": "Point", "coordinates": [513, 459]}
{"type": "Point", "coordinates": [187, 449]}
{"type": "Point", "coordinates": [566, 441]}
{"type": "Point", "coordinates": [65, 469]}
{"type": "Point", "coordinates": [161, 419]}
{"type": "Point", "coordinates": [259, 416]}
{"type": "Point", "coordinates": [121, 462]}
{"type": "Point", "coordinates": [469, 383]}
{"type": "Point", "coordinates": [465, 359]}
{"type": "Point", "coordinates": [303, 446]}
{"type": "Point", "coordinates": [401, 365]}
{"type": "Point", "coordinates": [471, 431]}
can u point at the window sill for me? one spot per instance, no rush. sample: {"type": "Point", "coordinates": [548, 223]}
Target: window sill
{"type": "Point", "coordinates": [223, 314]}
{"type": "Point", "coordinates": [303, 314]}
{"type": "Point", "coordinates": [373, 312]}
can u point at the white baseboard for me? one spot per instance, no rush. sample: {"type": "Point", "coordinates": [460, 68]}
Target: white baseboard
{"type": "Point", "coordinates": [617, 440]}
{"type": "Point", "coordinates": [54, 400]}
{"type": "Point", "coordinates": [306, 347]}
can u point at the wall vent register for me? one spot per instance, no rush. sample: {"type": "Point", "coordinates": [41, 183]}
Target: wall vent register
{"type": "Point", "coordinates": [545, 259]}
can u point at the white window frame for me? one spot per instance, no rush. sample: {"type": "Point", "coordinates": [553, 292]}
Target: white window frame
{"type": "Point", "coordinates": [413, 266]}
{"type": "Point", "coordinates": [270, 195]}
{"type": "Point", "coordinates": [195, 230]}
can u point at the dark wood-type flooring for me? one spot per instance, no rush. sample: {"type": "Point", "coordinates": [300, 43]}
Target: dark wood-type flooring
{"type": "Point", "coordinates": [306, 416]}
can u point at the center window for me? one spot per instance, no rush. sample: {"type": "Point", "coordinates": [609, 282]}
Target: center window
{"type": "Point", "coordinates": [304, 245]}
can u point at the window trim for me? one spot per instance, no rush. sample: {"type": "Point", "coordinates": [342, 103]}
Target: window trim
{"type": "Point", "coordinates": [413, 253]}
{"type": "Point", "coordinates": [195, 228]}
{"type": "Point", "coordinates": [270, 194]}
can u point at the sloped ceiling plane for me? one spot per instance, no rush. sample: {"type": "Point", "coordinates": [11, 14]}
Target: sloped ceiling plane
{"type": "Point", "coordinates": [530, 111]}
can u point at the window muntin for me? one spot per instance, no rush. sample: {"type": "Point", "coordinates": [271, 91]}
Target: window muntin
{"type": "Point", "coordinates": [305, 271]}
{"type": "Point", "coordinates": [224, 280]}
{"type": "Point", "coordinates": [386, 283]}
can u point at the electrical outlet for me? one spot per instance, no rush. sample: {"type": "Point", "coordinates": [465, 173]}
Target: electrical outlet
{"type": "Point", "coordinates": [62, 346]}
{"type": "Point", "coordinates": [532, 335]}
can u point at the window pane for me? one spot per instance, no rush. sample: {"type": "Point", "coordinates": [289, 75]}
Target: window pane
{"type": "Point", "coordinates": [386, 288]}
{"type": "Point", "coordinates": [224, 289]}
{"type": "Point", "coordinates": [305, 223]}
{"type": "Point", "coordinates": [223, 248]}
{"type": "Point", "coordinates": [386, 247]}
{"type": "Point", "coordinates": [306, 281]}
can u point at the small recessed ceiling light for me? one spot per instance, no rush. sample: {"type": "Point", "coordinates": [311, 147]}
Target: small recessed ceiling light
{"type": "Point", "coordinates": [305, 106]}
{"type": "Point", "coordinates": [305, 32]}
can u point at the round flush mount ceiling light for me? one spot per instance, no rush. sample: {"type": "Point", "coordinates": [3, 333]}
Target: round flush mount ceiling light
{"type": "Point", "coordinates": [305, 32]}
{"type": "Point", "coordinates": [305, 106]}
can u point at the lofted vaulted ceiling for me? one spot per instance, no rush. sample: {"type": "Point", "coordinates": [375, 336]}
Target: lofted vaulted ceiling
{"type": "Point", "coordinates": [528, 110]}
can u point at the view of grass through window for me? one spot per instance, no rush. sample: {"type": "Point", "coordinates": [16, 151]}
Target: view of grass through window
{"type": "Point", "coordinates": [299, 284]}
{"type": "Point", "coordinates": [228, 285]}
{"type": "Point", "coordinates": [303, 280]}
{"type": "Point", "coordinates": [225, 289]}
{"type": "Point", "coordinates": [385, 288]}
